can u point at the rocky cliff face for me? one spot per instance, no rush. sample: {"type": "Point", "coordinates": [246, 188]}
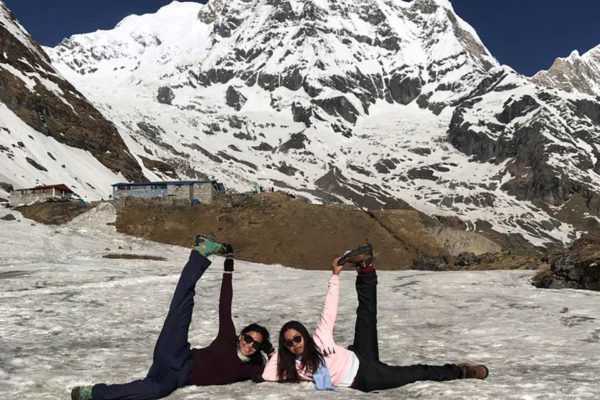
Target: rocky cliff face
{"type": "Point", "coordinates": [576, 73]}
{"type": "Point", "coordinates": [578, 268]}
{"type": "Point", "coordinates": [547, 142]}
{"type": "Point", "coordinates": [375, 103]}
{"type": "Point", "coordinates": [35, 92]}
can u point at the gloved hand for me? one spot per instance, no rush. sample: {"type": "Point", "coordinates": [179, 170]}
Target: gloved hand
{"type": "Point", "coordinates": [257, 379]}
{"type": "Point", "coordinates": [228, 253]}
{"type": "Point", "coordinates": [267, 348]}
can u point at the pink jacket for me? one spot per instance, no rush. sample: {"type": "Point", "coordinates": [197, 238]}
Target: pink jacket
{"type": "Point", "coordinates": [337, 357]}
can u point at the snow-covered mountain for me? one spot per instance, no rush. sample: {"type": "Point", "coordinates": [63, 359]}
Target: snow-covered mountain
{"type": "Point", "coordinates": [368, 102]}
{"type": "Point", "coordinates": [49, 132]}
{"type": "Point", "coordinates": [575, 73]}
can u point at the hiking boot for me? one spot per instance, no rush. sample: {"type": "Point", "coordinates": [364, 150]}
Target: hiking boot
{"type": "Point", "coordinates": [206, 246]}
{"type": "Point", "coordinates": [469, 371]}
{"type": "Point", "coordinates": [361, 256]}
{"type": "Point", "coordinates": [81, 393]}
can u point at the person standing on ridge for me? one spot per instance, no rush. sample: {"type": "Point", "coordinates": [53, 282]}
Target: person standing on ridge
{"type": "Point", "coordinates": [229, 358]}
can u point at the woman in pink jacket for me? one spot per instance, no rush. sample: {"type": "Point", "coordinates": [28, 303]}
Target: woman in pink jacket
{"type": "Point", "coordinates": [317, 358]}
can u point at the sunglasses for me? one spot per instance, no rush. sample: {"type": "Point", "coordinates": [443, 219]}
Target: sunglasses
{"type": "Point", "coordinates": [250, 340]}
{"type": "Point", "coordinates": [295, 340]}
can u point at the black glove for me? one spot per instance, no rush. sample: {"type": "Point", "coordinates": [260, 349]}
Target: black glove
{"type": "Point", "coordinates": [257, 379]}
{"type": "Point", "coordinates": [228, 252]}
{"type": "Point", "coordinates": [267, 348]}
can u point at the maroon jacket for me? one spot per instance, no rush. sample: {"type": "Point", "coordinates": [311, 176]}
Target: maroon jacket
{"type": "Point", "coordinates": [219, 364]}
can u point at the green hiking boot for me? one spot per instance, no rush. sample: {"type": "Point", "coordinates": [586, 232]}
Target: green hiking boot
{"type": "Point", "coordinates": [206, 246]}
{"type": "Point", "coordinates": [81, 393]}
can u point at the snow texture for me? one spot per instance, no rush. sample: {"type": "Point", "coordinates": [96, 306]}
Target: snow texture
{"type": "Point", "coordinates": [69, 316]}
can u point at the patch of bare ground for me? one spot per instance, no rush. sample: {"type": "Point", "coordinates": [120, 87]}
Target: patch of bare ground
{"type": "Point", "coordinates": [274, 229]}
{"type": "Point", "coordinates": [54, 213]}
{"type": "Point", "coordinates": [133, 257]}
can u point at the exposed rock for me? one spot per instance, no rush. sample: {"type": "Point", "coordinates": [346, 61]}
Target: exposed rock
{"type": "Point", "coordinates": [384, 166]}
{"type": "Point", "coordinates": [67, 117]}
{"type": "Point", "coordinates": [286, 169]}
{"type": "Point", "coordinates": [589, 109]}
{"type": "Point", "coordinates": [263, 147]}
{"type": "Point", "coordinates": [296, 141]}
{"type": "Point", "coordinates": [302, 113]}
{"type": "Point", "coordinates": [36, 164]}
{"type": "Point", "coordinates": [362, 194]}
{"type": "Point", "coordinates": [165, 95]}
{"type": "Point", "coordinates": [421, 173]}
{"type": "Point", "coordinates": [575, 73]}
{"type": "Point", "coordinates": [514, 109]}
{"type": "Point", "coordinates": [150, 131]}
{"type": "Point", "coordinates": [422, 151]}
{"type": "Point", "coordinates": [8, 217]}
{"type": "Point", "coordinates": [205, 152]}
{"type": "Point", "coordinates": [159, 167]}
{"type": "Point", "coordinates": [466, 259]}
{"type": "Point", "coordinates": [425, 263]}
{"type": "Point", "coordinates": [234, 98]}
{"type": "Point", "coordinates": [578, 268]}
{"type": "Point", "coordinates": [7, 187]}
{"type": "Point", "coordinates": [338, 106]}
{"type": "Point", "coordinates": [404, 89]}
{"type": "Point", "coordinates": [227, 156]}
{"type": "Point", "coordinates": [459, 241]}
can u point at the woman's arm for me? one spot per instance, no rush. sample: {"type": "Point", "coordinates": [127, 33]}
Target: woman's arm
{"type": "Point", "coordinates": [270, 371]}
{"type": "Point", "coordinates": [325, 327]}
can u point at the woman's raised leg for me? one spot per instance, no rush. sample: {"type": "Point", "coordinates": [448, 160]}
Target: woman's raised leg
{"type": "Point", "coordinates": [365, 331]}
{"type": "Point", "coordinates": [170, 366]}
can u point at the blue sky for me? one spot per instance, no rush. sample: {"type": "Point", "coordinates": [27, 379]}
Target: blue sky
{"type": "Point", "coordinates": [524, 34]}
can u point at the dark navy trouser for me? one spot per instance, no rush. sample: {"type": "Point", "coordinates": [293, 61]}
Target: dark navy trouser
{"type": "Point", "coordinates": [373, 374]}
{"type": "Point", "coordinates": [170, 368]}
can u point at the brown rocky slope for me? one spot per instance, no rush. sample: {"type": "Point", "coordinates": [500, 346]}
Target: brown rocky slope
{"type": "Point", "coordinates": [39, 96]}
{"type": "Point", "coordinates": [272, 228]}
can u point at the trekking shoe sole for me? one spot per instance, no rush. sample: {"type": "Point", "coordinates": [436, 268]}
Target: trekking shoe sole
{"type": "Point", "coordinates": [366, 250]}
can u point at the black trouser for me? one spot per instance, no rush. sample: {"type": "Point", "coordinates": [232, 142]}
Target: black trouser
{"type": "Point", "coordinates": [170, 368]}
{"type": "Point", "coordinates": [373, 374]}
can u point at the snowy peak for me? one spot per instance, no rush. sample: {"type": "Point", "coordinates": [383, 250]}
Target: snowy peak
{"type": "Point", "coordinates": [575, 73]}
{"type": "Point", "coordinates": [390, 50]}
{"type": "Point", "coordinates": [381, 104]}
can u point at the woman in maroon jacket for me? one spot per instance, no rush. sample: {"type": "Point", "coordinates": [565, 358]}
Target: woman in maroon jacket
{"type": "Point", "coordinates": [229, 358]}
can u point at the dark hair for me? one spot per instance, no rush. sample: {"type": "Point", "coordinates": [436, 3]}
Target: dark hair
{"type": "Point", "coordinates": [257, 358]}
{"type": "Point", "coordinates": [286, 360]}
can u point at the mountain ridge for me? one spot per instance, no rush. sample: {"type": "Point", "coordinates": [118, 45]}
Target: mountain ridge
{"type": "Point", "coordinates": [396, 101]}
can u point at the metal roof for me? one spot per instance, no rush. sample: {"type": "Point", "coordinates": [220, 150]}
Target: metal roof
{"type": "Point", "coordinates": [181, 183]}
{"type": "Point", "coordinates": [60, 186]}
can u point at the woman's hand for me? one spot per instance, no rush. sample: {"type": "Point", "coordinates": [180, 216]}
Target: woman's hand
{"type": "Point", "coordinates": [335, 268]}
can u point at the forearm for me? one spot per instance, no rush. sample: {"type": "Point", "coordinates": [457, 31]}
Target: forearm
{"type": "Point", "coordinates": [270, 371]}
{"type": "Point", "coordinates": [330, 308]}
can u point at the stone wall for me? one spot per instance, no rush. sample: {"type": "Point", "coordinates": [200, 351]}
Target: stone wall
{"type": "Point", "coordinates": [205, 192]}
